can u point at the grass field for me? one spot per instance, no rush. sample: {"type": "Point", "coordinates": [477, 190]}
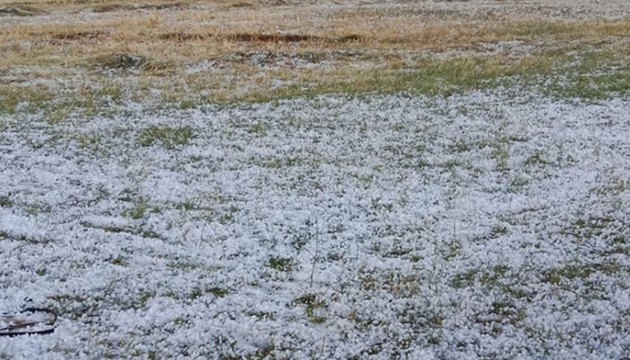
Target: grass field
{"type": "Point", "coordinates": [317, 180]}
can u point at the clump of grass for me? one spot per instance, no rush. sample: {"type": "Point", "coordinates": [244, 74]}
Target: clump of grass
{"type": "Point", "coordinates": [557, 276]}
{"type": "Point", "coordinates": [217, 291]}
{"type": "Point", "coordinates": [139, 209]}
{"type": "Point", "coordinates": [398, 285]}
{"type": "Point", "coordinates": [314, 305]}
{"type": "Point", "coordinates": [125, 61]}
{"type": "Point", "coordinates": [537, 158]}
{"type": "Point", "coordinates": [119, 260]}
{"type": "Point", "coordinates": [491, 278]}
{"type": "Point", "coordinates": [282, 264]}
{"type": "Point", "coordinates": [5, 201]}
{"type": "Point", "coordinates": [166, 136]}
{"type": "Point", "coordinates": [15, 99]}
{"type": "Point", "coordinates": [121, 61]}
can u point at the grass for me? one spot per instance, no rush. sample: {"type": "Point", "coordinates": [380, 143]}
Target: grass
{"type": "Point", "coordinates": [596, 76]}
{"type": "Point", "coordinates": [173, 56]}
{"type": "Point", "coordinates": [281, 264]}
{"type": "Point", "coordinates": [165, 136]}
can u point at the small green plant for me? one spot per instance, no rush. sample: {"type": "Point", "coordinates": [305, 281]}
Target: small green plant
{"type": "Point", "coordinates": [258, 129]}
{"type": "Point", "coordinates": [119, 260]}
{"type": "Point", "coordinates": [261, 315]}
{"type": "Point", "coordinates": [139, 209]}
{"type": "Point", "coordinates": [195, 293]}
{"type": "Point", "coordinates": [37, 208]}
{"type": "Point", "coordinates": [280, 263]}
{"type": "Point", "coordinates": [557, 275]}
{"type": "Point", "coordinates": [41, 271]}
{"type": "Point", "coordinates": [314, 305]}
{"type": "Point", "coordinates": [538, 158]}
{"type": "Point", "coordinates": [5, 201]}
{"type": "Point", "coordinates": [166, 136]}
{"type": "Point", "coordinates": [498, 230]}
{"type": "Point", "coordinates": [217, 291]}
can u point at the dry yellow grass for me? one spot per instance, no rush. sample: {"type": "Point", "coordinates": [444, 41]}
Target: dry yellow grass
{"type": "Point", "coordinates": [226, 49]}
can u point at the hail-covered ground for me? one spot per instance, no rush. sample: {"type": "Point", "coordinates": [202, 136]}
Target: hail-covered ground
{"type": "Point", "coordinates": [484, 225]}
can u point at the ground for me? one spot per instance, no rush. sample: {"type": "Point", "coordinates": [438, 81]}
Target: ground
{"type": "Point", "coordinates": [263, 180]}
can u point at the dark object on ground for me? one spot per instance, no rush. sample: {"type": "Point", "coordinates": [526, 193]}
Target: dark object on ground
{"type": "Point", "coordinates": [30, 321]}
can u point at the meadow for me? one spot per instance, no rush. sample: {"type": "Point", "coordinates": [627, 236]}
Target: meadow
{"type": "Point", "coordinates": [292, 179]}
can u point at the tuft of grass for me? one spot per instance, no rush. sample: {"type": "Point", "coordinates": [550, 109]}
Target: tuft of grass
{"type": "Point", "coordinates": [398, 285]}
{"type": "Point", "coordinates": [5, 201]}
{"type": "Point", "coordinates": [139, 209]}
{"type": "Point", "coordinates": [168, 137]}
{"type": "Point", "coordinates": [281, 263]}
{"type": "Point", "coordinates": [15, 99]}
{"type": "Point", "coordinates": [314, 305]}
{"type": "Point", "coordinates": [217, 291]}
{"type": "Point", "coordinates": [557, 276]}
{"type": "Point", "coordinates": [119, 260]}
{"type": "Point", "coordinates": [489, 279]}
{"type": "Point", "coordinates": [129, 62]}
{"type": "Point", "coordinates": [537, 158]}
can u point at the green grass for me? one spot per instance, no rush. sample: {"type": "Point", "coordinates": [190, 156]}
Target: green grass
{"type": "Point", "coordinates": [165, 136]}
{"type": "Point", "coordinates": [139, 209]}
{"type": "Point", "coordinates": [314, 309]}
{"type": "Point", "coordinates": [590, 73]}
{"type": "Point", "coordinates": [281, 264]}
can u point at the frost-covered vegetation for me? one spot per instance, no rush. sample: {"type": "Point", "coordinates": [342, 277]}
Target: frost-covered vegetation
{"type": "Point", "coordinates": [306, 179]}
{"type": "Point", "coordinates": [474, 226]}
